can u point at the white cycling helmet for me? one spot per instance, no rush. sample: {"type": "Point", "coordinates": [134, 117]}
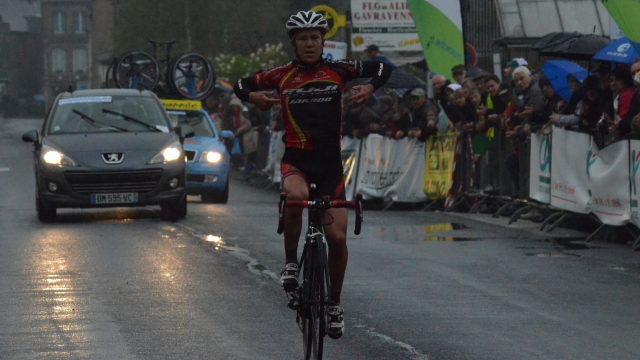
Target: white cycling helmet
{"type": "Point", "coordinates": [305, 20]}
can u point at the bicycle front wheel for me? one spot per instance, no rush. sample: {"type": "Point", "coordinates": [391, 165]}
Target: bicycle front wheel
{"type": "Point", "coordinates": [136, 70]}
{"type": "Point", "coordinates": [313, 317]}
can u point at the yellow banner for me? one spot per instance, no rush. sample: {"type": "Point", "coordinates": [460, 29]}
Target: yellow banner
{"type": "Point", "coordinates": [439, 164]}
{"type": "Point", "coordinates": [181, 105]}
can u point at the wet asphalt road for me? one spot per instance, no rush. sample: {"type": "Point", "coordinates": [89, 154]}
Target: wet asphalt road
{"type": "Point", "coordinates": [122, 284]}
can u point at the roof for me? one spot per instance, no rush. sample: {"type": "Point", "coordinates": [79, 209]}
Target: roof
{"type": "Point", "coordinates": [14, 12]}
{"type": "Point", "coordinates": [106, 92]}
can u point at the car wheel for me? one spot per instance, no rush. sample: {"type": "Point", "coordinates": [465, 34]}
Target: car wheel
{"type": "Point", "coordinates": [46, 210]}
{"type": "Point", "coordinates": [174, 210]}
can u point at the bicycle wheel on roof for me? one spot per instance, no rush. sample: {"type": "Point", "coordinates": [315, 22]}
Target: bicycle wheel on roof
{"type": "Point", "coordinates": [137, 70]}
{"type": "Point", "coordinates": [192, 76]}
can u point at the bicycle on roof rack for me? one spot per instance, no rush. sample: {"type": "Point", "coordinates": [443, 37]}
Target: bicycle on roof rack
{"type": "Point", "coordinates": [189, 76]}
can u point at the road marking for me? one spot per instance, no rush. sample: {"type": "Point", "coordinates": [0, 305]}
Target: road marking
{"type": "Point", "coordinates": [4, 169]}
{"type": "Point", "coordinates": [258, 269]}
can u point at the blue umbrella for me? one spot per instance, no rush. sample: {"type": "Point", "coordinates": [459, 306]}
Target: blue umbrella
{"type": "Point", "coordinates": [622, 51]}
{"type": "Point", "coordinates": [558, 70]}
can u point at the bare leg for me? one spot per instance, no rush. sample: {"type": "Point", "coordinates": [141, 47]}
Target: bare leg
{"type": "Point", "coordinates": [336, 232]}
{"type": "Point", "coordinates": [297, 189]}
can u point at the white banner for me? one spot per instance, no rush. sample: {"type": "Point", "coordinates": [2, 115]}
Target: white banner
{"type": "Point", "coordinates": [389, 169]}
{"type": "Point", "coordinates": [634, 161]}
{"type": "Point", "coordinates": [540, 168]}
{"type": "Point", "coordinates": [350, 155]}
{"type": "Point", "coordinates": [569, 180]}
{"type": "Point", "coordinates": [334, 50]}
{"type": "Point", "coordinates": [608, 171]}
{"type": "Point", "coordinates": [385, 23]}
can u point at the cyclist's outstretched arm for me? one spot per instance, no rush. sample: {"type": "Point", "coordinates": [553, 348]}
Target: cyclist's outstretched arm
{"type": "Point", "coordinates": [250, 88]}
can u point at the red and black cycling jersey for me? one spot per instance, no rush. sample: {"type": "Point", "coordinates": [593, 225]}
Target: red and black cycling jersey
{"type": "Point", "coordinates": [311, 97]}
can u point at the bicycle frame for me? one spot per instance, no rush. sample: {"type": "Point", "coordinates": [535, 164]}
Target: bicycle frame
{"type": "Point", "coordinates": [310, 298]}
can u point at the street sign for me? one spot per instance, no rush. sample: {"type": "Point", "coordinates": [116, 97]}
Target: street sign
{"type": "Point", "coordinates": [335, 21]}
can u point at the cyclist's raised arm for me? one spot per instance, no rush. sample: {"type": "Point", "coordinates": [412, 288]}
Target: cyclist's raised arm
{"type": "Point", "coordinates": [350, 69]}
{"type": "Point", "coordinates": [379, 72]}
{"type": "Point", "coordinates": [248, 89]}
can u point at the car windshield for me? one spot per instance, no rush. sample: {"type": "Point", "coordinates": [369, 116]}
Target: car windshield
{"type": "Point", "coordinates": [195, 119]}
{"type": "Point", "coordinates": [91, 114]}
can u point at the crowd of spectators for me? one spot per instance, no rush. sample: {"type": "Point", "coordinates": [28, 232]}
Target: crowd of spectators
{"type": "Point", "coordinates": [605, 104]}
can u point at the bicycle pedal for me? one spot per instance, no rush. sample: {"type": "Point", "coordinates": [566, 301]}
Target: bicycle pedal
{"type": "Point", "coordinates": [293, 304]}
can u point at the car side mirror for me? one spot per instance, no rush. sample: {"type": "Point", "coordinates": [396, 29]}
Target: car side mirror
{"type": "Point", "coordinates": [31, 136]}
{"type": "Point", "coordinates": [227, 135]}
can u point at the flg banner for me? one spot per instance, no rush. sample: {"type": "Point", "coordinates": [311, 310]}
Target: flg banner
{"type": "Point", "coordinates": [608, 171]}
{"type": "Point", "coordinates": [385, 170]}
{"type": "Point", "coordinates": [634, 179]}
{"type": "Point", "coordinates": [439, 165]}
{"type": "Point", "coordinates": [569, 180]}
{"type": "Point", "coordinates": [540, 168]}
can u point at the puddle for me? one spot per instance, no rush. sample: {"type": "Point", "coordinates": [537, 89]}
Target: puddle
{"type": "Point", "coordinates": [447, 238]}
{"type": "Point", "coordinates": [445, 227]}
{"type": "Point", "coordinates": [568, 243]}
{"type": "Point", "coordinates": [552, 255]}
{"type": "Point", "coordinates": [442, 232]}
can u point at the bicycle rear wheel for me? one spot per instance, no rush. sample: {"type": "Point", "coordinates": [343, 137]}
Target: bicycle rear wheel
{"type": "Point", "coordinates": [136, 70]}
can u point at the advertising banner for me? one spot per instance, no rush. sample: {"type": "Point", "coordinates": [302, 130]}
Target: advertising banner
{"type": "Point", "coordinates": [570, 155]}
{"type": "Point", "coordinates": [439, 164]}
{"type": "Point", "coordinates": [439, 27]}
{"type": "Point", "coordinates": [608, 171]}
{"type": "Point", "coordinates": [350, 155]}
{"type": "Point", "coordinates": [408, 186]}
{"type": "Point", "coordinates": [334, 50]}
{"type": "Point", "coordinates": [385, 23]}
{"type": "Point", "coordinates": [384, 164]}
{"type": "Point", "coordinates": [540, 168]}
{"type": "Point", "coordinates": [634, 178]}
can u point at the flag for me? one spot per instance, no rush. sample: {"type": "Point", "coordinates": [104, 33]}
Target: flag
{"type": "Point", "coordinates": [439, 27]}
{"type": "Point", "coordinates": [625, 13]}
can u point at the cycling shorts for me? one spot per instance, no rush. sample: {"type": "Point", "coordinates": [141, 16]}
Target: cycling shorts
{"type": "Point", "coordinates": [323, 169]}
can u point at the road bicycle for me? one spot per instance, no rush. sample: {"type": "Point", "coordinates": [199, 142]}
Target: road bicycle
{"type": "Point", "coordinates": [189, 76]}
{"type": "Point", "coordinates": [311, 297]}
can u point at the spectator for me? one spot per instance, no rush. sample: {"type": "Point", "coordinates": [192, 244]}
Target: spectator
{"type": "Point", "coordinates": [373, 53]}
{"type": "Point", "coordinates": [497, 99]}
{"type": "Point", "coordinates": [622, 88]}
{"type": "Point", "coordinates": [553, 103]}
{"type": "Point", "coordinates": [460, 111]}
{"type": "Point", "coordinates": [507, 71]}
{"type": "Point", "coordinates": [459, 73]}
{"type": "Point", "coordinates": [438, 82]}
{"type": "Point", "coordinates": [589, 110]}
{"type": "Point", "coordinates": [576, 95]}
{"type": "Point", "coordinates": [421, 125]}
{"type": "Point", "coordinates": [384, 109]}
{"type": "Point", "coordinates": [634, 108]}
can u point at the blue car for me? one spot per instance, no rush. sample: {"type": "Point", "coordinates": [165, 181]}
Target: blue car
{"type": "Point", "coordinates": [207, 156]}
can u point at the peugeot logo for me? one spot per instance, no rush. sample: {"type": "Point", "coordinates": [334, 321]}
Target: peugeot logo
{"type": "Point", "coordinates": [113, 158]}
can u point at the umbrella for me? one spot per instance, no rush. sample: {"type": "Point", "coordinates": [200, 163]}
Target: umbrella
{"type": "Point", "coordinates": [622, 51]}
{"type": "Point", "coordinates": [558, 70]}
{"type": "Point", "coordinates": [570, 45]}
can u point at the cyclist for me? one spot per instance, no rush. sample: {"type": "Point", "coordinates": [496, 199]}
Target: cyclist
{"type": "Point", "coordinates": [310, 93]}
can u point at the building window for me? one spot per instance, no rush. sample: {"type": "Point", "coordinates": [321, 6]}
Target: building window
{"type": "Point", "coordinates": [58, 23]}
{"type": "Point", "coordinates": [58, 60]}
{"type": "Point", "coordinates": [79, 23]}
{"type": "Point", "coordinates": [80, 63]}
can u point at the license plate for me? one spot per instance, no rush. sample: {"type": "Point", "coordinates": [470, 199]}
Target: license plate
{"type": "Point", "coordinates": [114, 198]}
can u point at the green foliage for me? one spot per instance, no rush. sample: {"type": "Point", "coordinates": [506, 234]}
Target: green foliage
{"type": "Point", "coordinates": [231, 67]}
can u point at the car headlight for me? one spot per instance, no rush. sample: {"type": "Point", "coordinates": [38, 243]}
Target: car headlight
{"type": "Point", "coordinates": [171, 153]}
{"type": "Point", "coordinates": [54, 157]}
{"type": "Point", "coordinates": [212, 157]}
